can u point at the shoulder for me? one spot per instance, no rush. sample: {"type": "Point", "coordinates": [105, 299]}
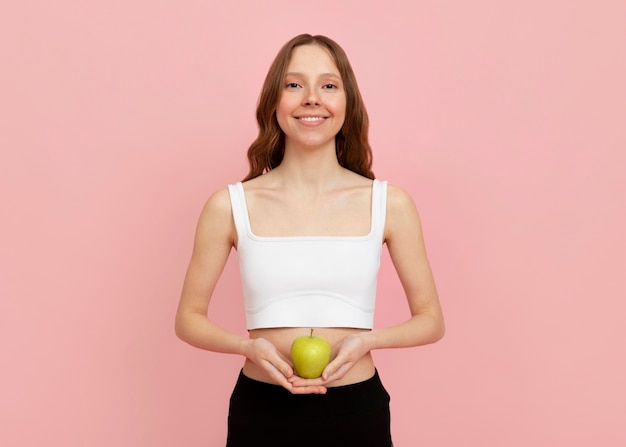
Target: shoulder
{"type": "Point", "coordinates": [402, 213]}
{"type": "Point", "coordinates": [217, 203]}
{"type": "Point", "coordinates": [398, 199]}
{"type": "Point", "coordinates": [216, 216]}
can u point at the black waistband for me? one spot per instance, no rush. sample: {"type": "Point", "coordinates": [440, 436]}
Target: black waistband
{"type": "Point", "coordinates": [352, 391]}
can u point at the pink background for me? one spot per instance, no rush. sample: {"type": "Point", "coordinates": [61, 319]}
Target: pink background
{"type": "Point", "coordinates": [505, 120]}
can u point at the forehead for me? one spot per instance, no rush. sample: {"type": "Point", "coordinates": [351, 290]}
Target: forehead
{"type": "Point", "coordinates": [312, 59]}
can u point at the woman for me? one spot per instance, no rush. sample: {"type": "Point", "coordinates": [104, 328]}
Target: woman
{"type": "Point", "coordinates": [308, 223]}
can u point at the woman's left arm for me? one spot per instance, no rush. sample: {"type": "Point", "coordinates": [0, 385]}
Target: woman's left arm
{"type": "Point", "coordinates": [405, 242]}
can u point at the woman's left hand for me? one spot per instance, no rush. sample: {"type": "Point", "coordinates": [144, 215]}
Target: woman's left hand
{"type": "Point", "coordinates": [346, 354]}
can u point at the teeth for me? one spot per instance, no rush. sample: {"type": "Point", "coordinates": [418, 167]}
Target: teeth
{"type": "Point", "coordinates": [311, 118]}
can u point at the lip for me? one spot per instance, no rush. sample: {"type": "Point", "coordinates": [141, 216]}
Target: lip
{"type": "Point", "coordinates": [311, 121]}
{"type": "Point", "coordinates": [311, 118]}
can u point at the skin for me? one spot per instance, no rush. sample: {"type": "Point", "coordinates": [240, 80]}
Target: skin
{"type": "Point", "coordinates": [309, 194]}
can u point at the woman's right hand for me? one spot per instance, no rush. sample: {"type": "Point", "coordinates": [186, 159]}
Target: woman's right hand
{"type": "Point", "coordinates": [279, 369]}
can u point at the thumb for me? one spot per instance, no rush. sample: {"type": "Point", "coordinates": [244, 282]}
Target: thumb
{"type": "Point", "coordinates": [334, 370]}
{"type": "Point", "coordinates": [285, 368]}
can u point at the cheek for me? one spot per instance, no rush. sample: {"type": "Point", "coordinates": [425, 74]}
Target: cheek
{"type": "Point", "coordinates": [339, 108]}
{"type": "Point", "coordinates": [281, 121]}
{"type": "Point", "coordinates": [281, 113]}
{"type": "Point", "coordinates": [337, 103]}
{"type": "Point", "coordinates": [286, 106]}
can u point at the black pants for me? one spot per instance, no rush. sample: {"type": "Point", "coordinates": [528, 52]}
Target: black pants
{"type": "Point", "coordinates": [354, 415]}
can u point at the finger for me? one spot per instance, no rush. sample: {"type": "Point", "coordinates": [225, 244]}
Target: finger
{"type": "Point", "coordinates": [303, 388]}
{"type": "Point", "coordinates": [286, 365]}
{"type": "Point", "coordinates": [281, 380]}
{"type": "Point", "coordinates": [308, 389]}
{"type": "Point", "coordinates": [302, 382]}
{"type": "Point", "coordinates": [333, 367]}
{"type": "Point", "coordinates": [335, 371]}
{"type": "Point", "coordinates": [278, 368]}
{"type": "Point", "coordinates": [280, 364]}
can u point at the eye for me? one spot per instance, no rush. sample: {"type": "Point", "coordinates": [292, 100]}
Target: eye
{"type": "Point", "coordinates": [292, 85]}
{"type": "Point", "coordinates": [329, 86]}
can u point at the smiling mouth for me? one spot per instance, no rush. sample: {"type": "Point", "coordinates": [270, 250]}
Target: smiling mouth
{"type": "Point", "coordinates": [311, 118]}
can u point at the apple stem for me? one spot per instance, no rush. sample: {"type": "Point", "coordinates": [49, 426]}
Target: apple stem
{"type": "Point", "coordinates": [311, 333]}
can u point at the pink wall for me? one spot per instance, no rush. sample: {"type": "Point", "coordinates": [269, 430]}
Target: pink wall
{"type": "Point", "coordinates": [505, 120]}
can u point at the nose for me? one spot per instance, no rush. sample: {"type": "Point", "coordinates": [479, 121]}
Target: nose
{"type": "Point", "coordinates": [312, 99]}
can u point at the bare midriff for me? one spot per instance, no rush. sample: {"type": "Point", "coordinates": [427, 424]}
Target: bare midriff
{"type": "Point", "coordinates": [283, 337]}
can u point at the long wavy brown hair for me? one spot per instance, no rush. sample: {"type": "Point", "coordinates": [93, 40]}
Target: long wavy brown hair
{"type": "Point", "coordinates": [352, 144]}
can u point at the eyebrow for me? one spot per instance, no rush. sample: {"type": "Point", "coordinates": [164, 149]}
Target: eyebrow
{"type": "Point", "coordinates": [322, 75]}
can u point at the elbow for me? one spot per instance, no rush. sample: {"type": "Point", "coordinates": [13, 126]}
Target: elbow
{"type": "Point", "coordinates": [179, 327]}
{"type": "Point", "coordinates": [440, 330]}
{"type": "Point", "coordinates": [439, 324]}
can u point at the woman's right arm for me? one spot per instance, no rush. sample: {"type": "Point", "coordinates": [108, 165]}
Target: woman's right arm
{"type": "Point", "coordinates": [214, 239]}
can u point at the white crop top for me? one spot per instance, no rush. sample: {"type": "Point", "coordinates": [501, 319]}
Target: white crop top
{"type": "Point", "coordinates": [309, 281]}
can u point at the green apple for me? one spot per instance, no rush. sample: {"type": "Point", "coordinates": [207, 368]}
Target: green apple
{"type": "Point", "coordinates": [310, 355]}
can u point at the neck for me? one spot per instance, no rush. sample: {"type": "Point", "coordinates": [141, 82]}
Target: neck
{"type": "Point", "coordinates": [316, 168]}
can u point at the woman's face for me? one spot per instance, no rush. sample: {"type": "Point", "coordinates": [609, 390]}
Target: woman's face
{"type": "Point", "coordinates": [312, 105]}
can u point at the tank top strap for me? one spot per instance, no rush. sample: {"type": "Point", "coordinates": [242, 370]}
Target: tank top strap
{"type": "Point", "coordinates": [379, 206]}
{"type": "Point", "coordinates": [239, 207]}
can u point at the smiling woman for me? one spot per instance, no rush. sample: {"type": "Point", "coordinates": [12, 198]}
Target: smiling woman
{"type": "Point", "coordinates": [308, 223]}
{"type": "Point", "coordinates": [312, 107]}
{"type": "Point", "coordinates": [267, 151]}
